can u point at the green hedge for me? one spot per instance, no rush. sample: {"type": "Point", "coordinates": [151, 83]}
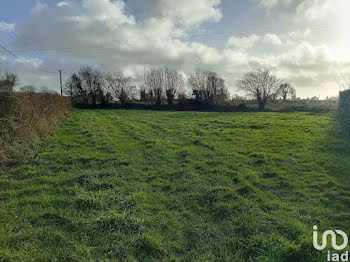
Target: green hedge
{"type": "Point", "coordinates": [344, 110]}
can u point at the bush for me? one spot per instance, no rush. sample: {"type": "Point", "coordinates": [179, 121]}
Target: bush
{"type": "Point", "coordinates": [24, 115]}
{"type": "Point", "coordinates": [344, 110]}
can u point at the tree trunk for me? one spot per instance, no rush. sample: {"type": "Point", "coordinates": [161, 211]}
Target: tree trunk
{"type": "Point", "coordinates": [170, 97]}
{"type": "Point", "coordinates": [158, 101]}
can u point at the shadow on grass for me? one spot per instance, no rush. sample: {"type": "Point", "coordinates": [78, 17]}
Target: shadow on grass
{"type": "Point", "coordinates": [336, 148]}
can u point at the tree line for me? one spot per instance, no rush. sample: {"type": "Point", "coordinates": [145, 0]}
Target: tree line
{"type": "Point", "coordinates": [161, 85]}
{"type": "Point", "coordinates": [164, 85]}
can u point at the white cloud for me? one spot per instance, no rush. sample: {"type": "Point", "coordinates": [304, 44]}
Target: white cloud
{"type": "Point", "coordinates": [192, 12]}
{"type": "Point", "coordinates": [272, 39]}
{"type": "Point", "coordinates": [63, 3]}
{"type": "Point", "coordinates": [248, 42]}
{"type": "Point", "coordinates": [272, 3]}
{"type": "Point", "coordinates": [299, 34]}
{"type": "Point", "coordinates": [33, 61]}
{"type": "Point", "coordinates": [317, 9]}
{"type": "Point", "coordinates": [104, 12]}
{"type": "Point", "coordinates": [100, 32]}
{"type": "Point", "coordinates": [311, 67]}
{"type": "Point", "coordinates": [5, 27]}
{"type": "Point", "coordinates": [38, 7]}
{"type": "Point", "coordinates": [103, 33]}
{"type": "Point", "coordinates": [184, 12]}
{"type": "Point", "coordinates": [311, 10]}
{"type": "Point", "coordinates": [242, 42]}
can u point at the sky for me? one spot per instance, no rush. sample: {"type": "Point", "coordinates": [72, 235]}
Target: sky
{"type": "Point", "coordinates": [304, 42]}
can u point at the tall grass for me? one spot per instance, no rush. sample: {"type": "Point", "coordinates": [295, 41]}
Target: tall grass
{"type": "Point", "coordinates": [26, 115]}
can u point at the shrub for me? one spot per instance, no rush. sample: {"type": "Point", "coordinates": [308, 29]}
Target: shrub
{"type": "Point", "coordinates": [24, 115]}
{"type": "Point", "coordinates": [344, 110]}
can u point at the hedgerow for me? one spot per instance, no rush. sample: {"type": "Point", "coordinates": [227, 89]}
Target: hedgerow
{"type": "Point", "coordinates": [26, 115]}
{"type": "Point", "coordinates": [344, 110]}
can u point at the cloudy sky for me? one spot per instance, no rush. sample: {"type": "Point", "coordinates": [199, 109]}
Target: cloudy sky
{"type": "Point", "coordinates": [305, 42]}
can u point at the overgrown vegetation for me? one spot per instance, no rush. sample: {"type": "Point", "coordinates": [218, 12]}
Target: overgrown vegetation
{"type": "Point", "coordinates": [25, 115]}
{"type": "Point", "coordinates": [175, 186]}
{"type": "Point", "coordinates": [344, 110]}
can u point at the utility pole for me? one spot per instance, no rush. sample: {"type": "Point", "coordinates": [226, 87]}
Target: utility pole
{"type": "Point", "coordinates": [61, 82]}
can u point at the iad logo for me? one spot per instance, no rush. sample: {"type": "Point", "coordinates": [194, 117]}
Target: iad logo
{"type": "Point", "coordinates": [333, 237]}
{"type": "Point", "coordinates": [332, 256]}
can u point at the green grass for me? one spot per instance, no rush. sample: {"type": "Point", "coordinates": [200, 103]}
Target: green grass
{"type": "Point", "coordinates": [178, 186]}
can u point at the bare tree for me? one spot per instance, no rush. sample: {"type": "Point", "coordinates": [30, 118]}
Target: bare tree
{"type": "Point", "coordinates": [143, 94]}
{"type": "Point", "coordinates": [87, 86]}
{"type": "Point", "coordinates": [146, 95]}
{"type": "Point", "coordinates": [286, 90]}
{"type": "Point", "coordinates": [120, 86]}
{"type": "Point", "coordinates": [208, 87]}
{"type": "Point", "coordinates": [93, 82]}
{"type": "Point", "coordinates": [261, 85]}
{"type": "Point", "coordinates": [8, 81]}
{"type": "Point", "coordinates": [198, 82]}
{"type": "Point", "coordinates": [74, 88]}
{"type": "Point", "coordinates": [343, 83]}
{"type": "Point", "coordinates": [217, 89]}
{"type": "Point", "coordinates": [155, 82]}
{"type": "Point", "coordinates": [174, 83]}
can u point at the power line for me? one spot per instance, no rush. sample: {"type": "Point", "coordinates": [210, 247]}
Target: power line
{"type": "Point", "coordinates": [146, 42]}
{"type": "Point", "coordinates": [13, 32]}
{"type": "Point", "coordinates": [25, 62]}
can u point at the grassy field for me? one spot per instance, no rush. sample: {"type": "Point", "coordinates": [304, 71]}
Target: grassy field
{"type": "Point", "coordinates": [178, 186]}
